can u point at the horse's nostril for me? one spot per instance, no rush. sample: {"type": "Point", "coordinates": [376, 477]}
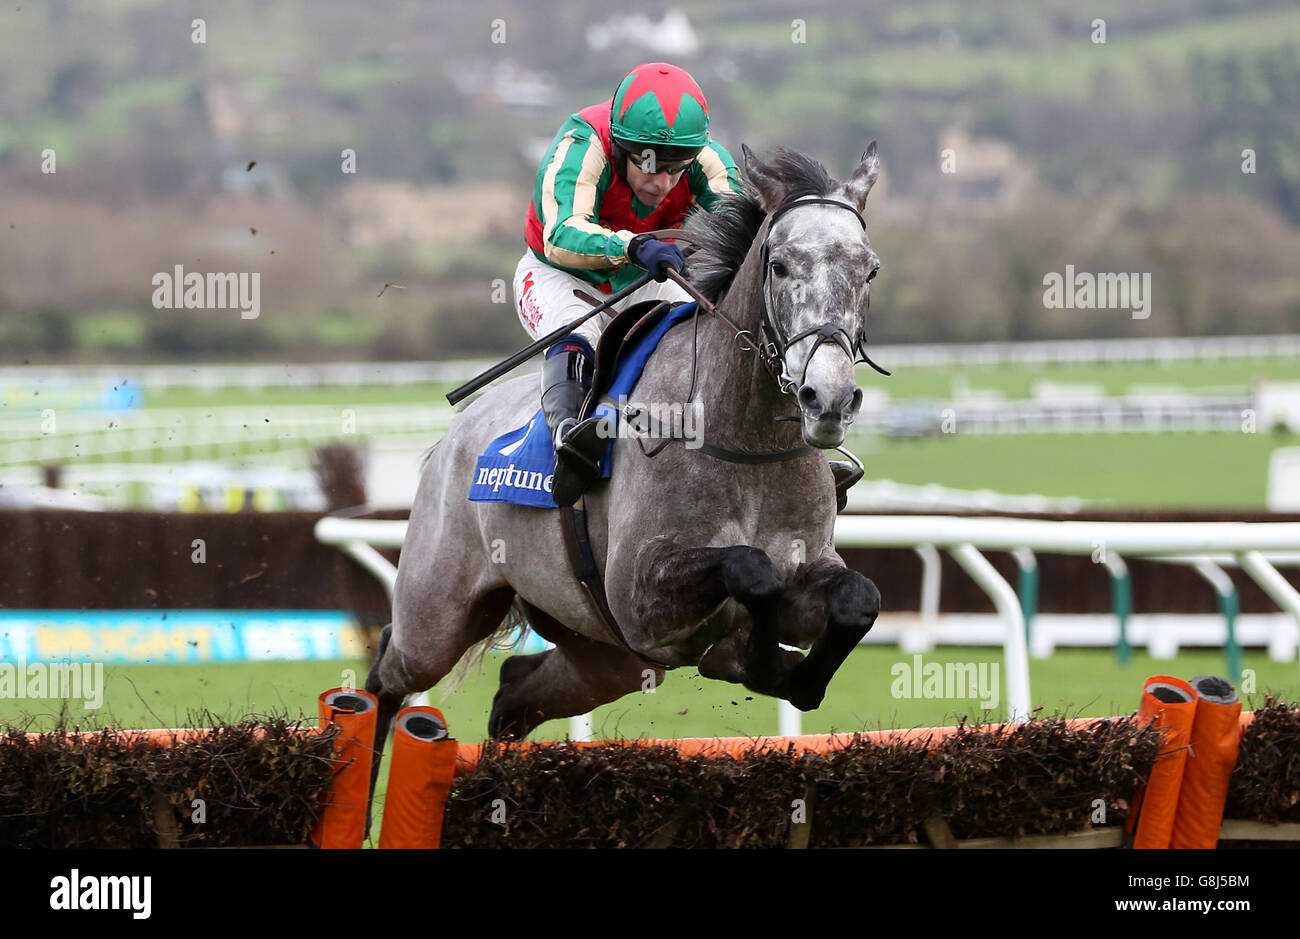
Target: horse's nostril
{"type": "Point", "coordinates": [857, 401]}
{"type": "Point", "coordinates": [807, 397]}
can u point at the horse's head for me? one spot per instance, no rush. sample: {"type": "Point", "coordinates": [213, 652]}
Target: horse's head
{"type": "Point", "coordinates": [817, 273]}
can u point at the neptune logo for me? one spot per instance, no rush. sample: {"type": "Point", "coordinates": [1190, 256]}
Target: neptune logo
{"type": "Point", "coordinates": [511, 476]}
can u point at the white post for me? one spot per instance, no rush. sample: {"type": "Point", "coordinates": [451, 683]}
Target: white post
{"type": "Point", "coordinates": [922, 639]}
{"type": "Point", "coordinates": [789, 719]}
{"type": "Point", "coordinates": [580, 727]}
{"type": "Point", "coordinates": [1281, 645]}
{"type": "Point", "coordinates": [374, 562]}
{"type": "Point", "coordinates": [1015, 654]}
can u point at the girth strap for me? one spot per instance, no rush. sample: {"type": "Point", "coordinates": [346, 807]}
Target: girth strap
{"type": "Point", "coordinates": [577, 544]}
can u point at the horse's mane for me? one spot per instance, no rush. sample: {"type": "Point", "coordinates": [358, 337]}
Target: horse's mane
{"type": "Point", "coordinates": [726, 233]}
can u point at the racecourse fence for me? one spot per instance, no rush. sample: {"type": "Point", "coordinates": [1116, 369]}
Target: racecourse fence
{"type": "Point", "coordinates": [1129, 414]}
{"type": "Point", "coordinates": [210, 433]}
{"type": "Point", "coordinates": [213, 376]}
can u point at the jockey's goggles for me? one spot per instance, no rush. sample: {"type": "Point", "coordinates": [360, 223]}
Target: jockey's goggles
{"type": "Point", "coordinates": [647, 161]}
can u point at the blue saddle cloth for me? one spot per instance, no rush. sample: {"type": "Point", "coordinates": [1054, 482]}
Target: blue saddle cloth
{"type": "Point", "coordinates": [518, 467]}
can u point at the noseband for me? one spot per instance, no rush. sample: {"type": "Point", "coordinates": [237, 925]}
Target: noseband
{"type": "Point", "coordinates": [775, 345]}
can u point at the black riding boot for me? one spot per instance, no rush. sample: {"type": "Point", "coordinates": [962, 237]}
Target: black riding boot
{"type": "Point", "coordinates": [566, 377]}
{"type": "Point", "coordinates": [566, 374]}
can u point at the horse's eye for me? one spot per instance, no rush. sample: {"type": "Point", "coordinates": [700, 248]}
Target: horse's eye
{"type": "Point", "coordinates": [874, 271]}
{"type": "Point", "coordinates": [779, 269]}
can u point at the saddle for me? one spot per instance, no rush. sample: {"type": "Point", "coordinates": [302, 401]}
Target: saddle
{"type": "Point", "coordinates": [577, 463]}
{"type": "Point", "coordinates": [623, 331]}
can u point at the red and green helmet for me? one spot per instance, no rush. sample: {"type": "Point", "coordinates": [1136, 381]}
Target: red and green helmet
{"type": "Point", "coordinates": [659, 105]}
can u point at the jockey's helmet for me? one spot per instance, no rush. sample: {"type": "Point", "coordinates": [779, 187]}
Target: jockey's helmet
{"type": "Point", "coordinates": [659, 107]}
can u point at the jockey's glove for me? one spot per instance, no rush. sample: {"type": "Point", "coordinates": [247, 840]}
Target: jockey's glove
{"type": "Point", "coordinates": [656, 256]}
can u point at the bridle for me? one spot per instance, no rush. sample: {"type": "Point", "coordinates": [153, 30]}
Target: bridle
{"type": "Point", "coordinates": [773, 346]}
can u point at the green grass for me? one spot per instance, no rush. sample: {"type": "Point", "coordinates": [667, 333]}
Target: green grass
{"type": "Point", "coordinates": [72, 138]}
{"type": "Point", "coordinates": [1233, 376]}
{"type": "Point", "coordinates": [1087, 682]}
{"type": "Point", "coordinates": [1218, 470]}
{"type": "Point", "coordinates": [1183, 470]}
{"type": "Point", "coordinates": [433, 392]}
{"type": "Point", "coordinates": [112, 330]}
{"type": "Point", "coordinates": [357, 76]}
{"type": "Point", "coordinates": [1229, 375]}
{"type": "Point", "coordinates": [1066, 68]}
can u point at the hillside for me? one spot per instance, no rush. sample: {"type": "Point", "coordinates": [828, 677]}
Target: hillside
{"type": "Point", "coordinates": [1122, 155]}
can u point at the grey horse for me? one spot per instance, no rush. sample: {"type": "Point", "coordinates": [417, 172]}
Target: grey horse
{"type": "Point", "coordinates": [713, 557]}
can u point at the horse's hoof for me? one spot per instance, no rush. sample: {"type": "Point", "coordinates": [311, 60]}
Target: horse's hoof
{"type": "Point", "coordinates": [854, 603]}
{"type": "Point", "coordinates": [807, 700]}
{"type": "Point", "coordinates": [747, 574]}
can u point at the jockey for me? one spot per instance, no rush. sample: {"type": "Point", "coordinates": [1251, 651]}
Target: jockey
{"type": "Point", "coordinates": [639, 162]}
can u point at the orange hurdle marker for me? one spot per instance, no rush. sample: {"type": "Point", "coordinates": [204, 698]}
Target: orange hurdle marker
{"type": "Point", "coordinates": [419, 781]}
{"type": "Point", "coordinates": [1170, 703]}
{"type": "Point", "coordinates": [342, 823]}
{"type": "Point", "coordinates": [1216, 734]}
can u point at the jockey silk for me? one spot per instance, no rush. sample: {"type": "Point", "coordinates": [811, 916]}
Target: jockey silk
{"type": "Point", "coordinates": [583, 214]}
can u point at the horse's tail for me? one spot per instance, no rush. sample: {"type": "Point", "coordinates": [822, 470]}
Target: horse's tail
{"type": "Point", "coordinates": [508, 636]}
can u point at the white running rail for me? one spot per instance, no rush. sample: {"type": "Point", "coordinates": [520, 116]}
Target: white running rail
{"type": "Point", "coordinates": [1252, 545]}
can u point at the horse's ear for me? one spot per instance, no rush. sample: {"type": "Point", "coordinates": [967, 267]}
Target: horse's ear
{"type": "Point", "coordinates": [864, 177]}
{"type": "Point", "coordinates": [771, 190]}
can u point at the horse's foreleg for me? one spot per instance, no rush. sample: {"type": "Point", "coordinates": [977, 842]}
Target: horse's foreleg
{"type": "Point", "coordinates": [390, 702]}
{"type": "Point", "coordinates": [823, 605]}
{"type": "Point", "coordinates": [750, 578]}
{"type": "Point", "coordinates": [725, 660]}
{"type": "Point", "coordinates": [848, 604]}
{"type": "Point", "coordinates": [674, 589]}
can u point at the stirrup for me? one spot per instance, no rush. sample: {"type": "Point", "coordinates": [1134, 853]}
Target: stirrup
{"type": "Point", "coordinates": [846, 475]}
{"type": "Point", "coordinates": [577, 460]}
{"type": "Point", "coordinates": [562, 430]}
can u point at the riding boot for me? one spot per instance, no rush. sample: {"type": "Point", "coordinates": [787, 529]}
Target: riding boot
{"type": "Point", "coordinates": [566, 377]}
{"type": "Point", "coordinates": [846, 475]}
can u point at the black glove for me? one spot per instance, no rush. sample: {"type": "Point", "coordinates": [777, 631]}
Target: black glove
{"type": "Point", "coordinates": [656, 256]}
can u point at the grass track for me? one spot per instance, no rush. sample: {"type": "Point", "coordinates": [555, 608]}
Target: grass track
{"type": "Point", "coordinates": [1087, 682]}
{"type": "Point", "coordinates": [1012, 380]}
{"type": "Point", "coordinates": [1185, 470]}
